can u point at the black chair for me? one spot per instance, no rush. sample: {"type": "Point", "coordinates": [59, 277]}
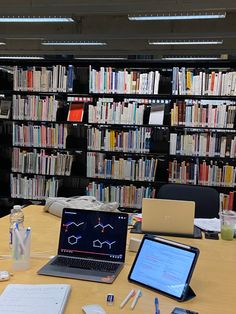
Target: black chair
{"type": "Point", "coordinates": [206, 199]}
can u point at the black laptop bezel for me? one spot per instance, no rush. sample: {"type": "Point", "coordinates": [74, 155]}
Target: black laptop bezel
{"type": "Point", "coordinates": [173, 244]}
{"type": "Point", "coordinates": [84, 255]}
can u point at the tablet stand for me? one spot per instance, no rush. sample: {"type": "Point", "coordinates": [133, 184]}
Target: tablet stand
{"type": "Point", "coordinates": [189, 294]}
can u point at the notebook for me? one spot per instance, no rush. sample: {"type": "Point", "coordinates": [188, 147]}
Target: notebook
{"type": "Point", "coordinates": [170, 267]}
{"type": "Point", "coordinates": [91, 246]}
{"type": "Point", "coordinates": [168, 217]}
{"type": "Point", "coordinates": [37, 299]}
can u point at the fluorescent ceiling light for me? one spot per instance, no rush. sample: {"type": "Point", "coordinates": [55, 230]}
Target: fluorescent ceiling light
{"type": "Point", "coordinates": [73, 43]}
{"type": "Point", "coordinates": [22, 57]}
{"type": "Point", "coordinates": [190, 58]}
{"type": "Point", "coordinates": [178, 16]}
{"type": "Point", "coordinates": [185, 42]}
{"type": "Point", "coordinates": [2, 44]}
{"type": "Point", "coordinates": [35, 19]}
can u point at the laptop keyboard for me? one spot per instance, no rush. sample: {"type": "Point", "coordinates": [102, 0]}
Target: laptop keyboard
{"type": "Point", "coordinates": [85, 264]}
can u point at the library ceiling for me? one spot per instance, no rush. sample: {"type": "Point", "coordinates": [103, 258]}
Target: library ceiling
{"type": "Point", "coordinates": [140, 29]}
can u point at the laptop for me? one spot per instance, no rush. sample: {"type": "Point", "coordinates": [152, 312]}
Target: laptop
{"type": "Point", "coordinates": [170, 267]}
{"type": "Point", "coordinates": [168, 217]}
{"type": "Point", "coordinates": [91, 246]}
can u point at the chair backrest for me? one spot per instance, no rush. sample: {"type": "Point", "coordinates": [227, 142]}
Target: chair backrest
{"type": "Point", "coordinates": [206, 198]}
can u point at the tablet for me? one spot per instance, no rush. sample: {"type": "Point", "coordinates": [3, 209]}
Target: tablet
{"type": "Point", "coordinates": [165, 266]}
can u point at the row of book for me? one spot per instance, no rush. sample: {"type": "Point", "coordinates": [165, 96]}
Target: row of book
{"type": "Point", "coordinates": [109, 112]}
{"type": "Point", "coordinates": [189, 82]}
{"type": "Point", "coordinates": [125, 140]}
{"type": "Point", "coordinates": [227, 201]}
{"type": "Point", "coordinates": [128, 196]}
{"type": "Point", "coordinates": [36, 188]}
{"type": "Point", "coordinates": [203, 144]}
{"type": "Point", "coordinates": [33, 107]}
{"type": "Point", "coordinates": [56, 78]}
{"type": "Point", "coordinates": [110, 80]}
{"type": "Point", "coordinates": [51, 135]}
{"type": "Point", "coordinates": [40, 162]}
{"type": "Point", "coordinates": [204, 113]}
{"type": "Point", "coordinates": [143, 169]}
{"type": "Point", "coordinates": [203, 173]}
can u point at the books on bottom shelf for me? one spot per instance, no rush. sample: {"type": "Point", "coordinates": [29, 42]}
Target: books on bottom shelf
{"type": "Point", "coordinates": [129, 196]}
{"type": "Point", "coordinates": [37, 187]}
{"type": "Point", "coordinates": [37, 299]}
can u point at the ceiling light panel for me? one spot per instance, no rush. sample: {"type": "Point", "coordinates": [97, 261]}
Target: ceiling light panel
{"type": "Point", "coordinates": [190, 58]}
{"type": "Point", "coordinates": [73, 43]}
{"type": "Point", "coordinates": [22, 57]}
{"type": "Point", "coordinates": [178, 16]}
{"type": "Point", "coordinates": [185, 42]}
{"type": "Point", "coordinates": [35, 19]}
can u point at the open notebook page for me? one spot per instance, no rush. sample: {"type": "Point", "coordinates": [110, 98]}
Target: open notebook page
{"type": "Point", "coordinates": [37, 299]}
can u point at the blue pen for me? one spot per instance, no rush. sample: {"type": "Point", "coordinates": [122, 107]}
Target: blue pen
{"type": "Point", "coordinates": [157, 311]}
{"type": "Point", "coordinates": [27, 233]}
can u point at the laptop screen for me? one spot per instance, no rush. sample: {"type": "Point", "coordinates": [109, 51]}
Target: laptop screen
{"type": "Point", "coordinates": [93, 234]}
{"type": "Point", "coordinates": [164, 265]}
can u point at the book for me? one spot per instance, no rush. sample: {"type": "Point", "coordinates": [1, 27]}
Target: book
{"type": "Point", "coordinates": [76, 112]}
{"type": "Point", "coordinates": [37, 299]}
{"type": "Point", "coordinates": [157, 114]}
{"type": "Point", "coordinates": [5, 107]}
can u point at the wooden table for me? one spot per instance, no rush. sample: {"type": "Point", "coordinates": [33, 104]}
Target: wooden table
{"type": "Point", "coordinates": [214, 279]}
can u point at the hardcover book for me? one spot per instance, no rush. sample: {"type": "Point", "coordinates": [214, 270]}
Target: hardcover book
{"type": "Point", "coordinates": [76, 112]}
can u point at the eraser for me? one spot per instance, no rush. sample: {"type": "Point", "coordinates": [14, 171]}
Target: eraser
{"type": "Point", "coordinates": [110, 298]}
{"type": "Point", "coordinates": [134, 244]}
{"type": "Point", "coordinates": [4, 275]}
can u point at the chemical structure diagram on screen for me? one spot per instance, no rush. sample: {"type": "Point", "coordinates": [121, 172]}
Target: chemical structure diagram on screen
{"type": "Point", "coordinates": [73, 239]}
{"type": "Point", "coordinates": [101, 225]}
{"type": "Point", "coordinates": [66, 226]}
{"type": "Point", "coordinates": [99, 244]}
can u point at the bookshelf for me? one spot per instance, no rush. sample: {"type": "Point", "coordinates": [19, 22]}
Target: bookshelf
{"type": "Point", "coordinates": [140, 124]}
{"type": "Point", "coordinates": [202, 138]}
{"type": "Point", "coordinates": [46, 146]}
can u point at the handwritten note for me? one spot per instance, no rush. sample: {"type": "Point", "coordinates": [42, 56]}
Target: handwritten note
{"type": "Point", "coordinates": [37, 299]}
{"type": "Point", "coordinates": [212, 224]}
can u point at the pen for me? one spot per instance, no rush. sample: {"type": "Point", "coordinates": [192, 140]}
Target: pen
{"type": "Point", "coordinates": [138, 294]}
{"type": "Point", "coordinates": [131, 294]}
{"type": "Point", "coordinates": [27, 233]}
{"type": "Point", "coordinates": [17, 233]}
{"type": "Point", "coordinates": [157, 311]}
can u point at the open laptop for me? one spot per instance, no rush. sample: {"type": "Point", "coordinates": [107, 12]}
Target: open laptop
{"type": "Point", "coordinates": [91, 246]}
{"type": "Point", "coordinates": [169, 217]}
